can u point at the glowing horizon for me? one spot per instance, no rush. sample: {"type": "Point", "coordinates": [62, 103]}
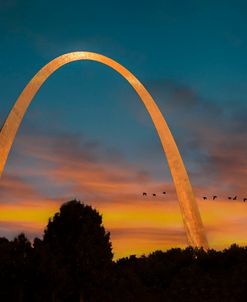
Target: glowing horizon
{"type": "Point", "coordinates": [138, 224]}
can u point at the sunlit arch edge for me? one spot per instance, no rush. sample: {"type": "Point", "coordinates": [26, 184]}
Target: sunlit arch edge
{"type": "Point", "coordinates": [189, 209]}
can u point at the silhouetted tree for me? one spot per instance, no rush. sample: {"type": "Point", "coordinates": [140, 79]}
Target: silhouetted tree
{"type": "Point", "coordinates": [77, 252]}
{"type": "Point", "coordinates": [5, 269]}
{"type": "Point", "coordinates": [15, 269]}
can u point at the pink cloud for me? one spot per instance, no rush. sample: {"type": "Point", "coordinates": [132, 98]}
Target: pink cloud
{"type": "Point", "coordinates": [138, 224]}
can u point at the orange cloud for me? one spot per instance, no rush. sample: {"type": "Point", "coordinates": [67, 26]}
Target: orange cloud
{"type": "Point", "coordinates": [137, 224]}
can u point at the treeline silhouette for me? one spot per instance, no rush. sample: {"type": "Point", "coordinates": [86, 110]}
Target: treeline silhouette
{"type": "Point", "coordinates": [73, 262]}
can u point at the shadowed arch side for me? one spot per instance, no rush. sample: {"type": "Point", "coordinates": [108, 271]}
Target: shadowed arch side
{"type": "Point", "coordinates": [189, 209]}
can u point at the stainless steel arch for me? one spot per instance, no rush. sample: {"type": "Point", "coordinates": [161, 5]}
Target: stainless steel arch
{"type": "Point", "coordinates": [191, 217]}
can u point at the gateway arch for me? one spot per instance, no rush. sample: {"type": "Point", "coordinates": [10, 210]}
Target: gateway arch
{"type": "Point", "coordinates": [189, 209]}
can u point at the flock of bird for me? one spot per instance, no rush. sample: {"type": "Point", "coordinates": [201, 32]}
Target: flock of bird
{"type": "Point", "coordinates": [204, 197]}
{"type": "Point", "coordinates": [153, 194]}
{"type": "Point", "coordinates": [229, 197]}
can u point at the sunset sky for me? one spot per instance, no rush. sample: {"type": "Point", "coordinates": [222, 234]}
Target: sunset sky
{"type": "Point", "coordinates": [87, 135]}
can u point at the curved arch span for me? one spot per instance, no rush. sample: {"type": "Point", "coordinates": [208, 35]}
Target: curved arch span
{"type": "Point", "coordinates": [189, 209]}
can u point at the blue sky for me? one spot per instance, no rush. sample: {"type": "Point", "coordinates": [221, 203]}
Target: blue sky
{"type": "Point", "coordinates": [193, 51]}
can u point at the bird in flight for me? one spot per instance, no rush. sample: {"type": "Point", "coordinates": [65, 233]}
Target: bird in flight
{"type": "Point", "coordinates": [214, 197]}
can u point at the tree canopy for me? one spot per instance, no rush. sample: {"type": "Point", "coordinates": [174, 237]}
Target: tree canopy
{"type": "Point", "coordinates": [73, 262]}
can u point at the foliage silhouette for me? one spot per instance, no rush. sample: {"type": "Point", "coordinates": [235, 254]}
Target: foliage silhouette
{"type": "Point", "coordinates": [73, 262]}
{"type": "Point", "coordinates": [76, 252]}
